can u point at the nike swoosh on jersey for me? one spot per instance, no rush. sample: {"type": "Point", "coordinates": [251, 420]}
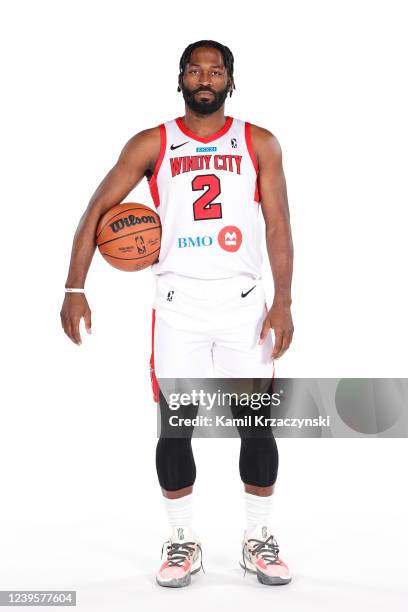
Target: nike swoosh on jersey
{"type": "Point", "coordinates": [245, 294]}
{"type": "Point", "coordinates": [172, 147]}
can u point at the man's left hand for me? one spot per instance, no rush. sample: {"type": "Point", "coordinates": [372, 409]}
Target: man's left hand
{"type": "Point", "coordinates": [279, 319]}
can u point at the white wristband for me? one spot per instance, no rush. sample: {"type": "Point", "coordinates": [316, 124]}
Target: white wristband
{"type": "Point", "coordinates": [74, 290]}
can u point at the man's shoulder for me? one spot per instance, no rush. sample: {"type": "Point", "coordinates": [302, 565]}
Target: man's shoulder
{"type": "Point", "coordinates": [148, 138]}
{"type": "Point", "coordinates": [259, 132]}
{"type": "Point", "coordinates": [264, 139]}
{"type": "Point", "coordinates": [142, 147]}
{"type": "Point", "coordinates": [148, 133]}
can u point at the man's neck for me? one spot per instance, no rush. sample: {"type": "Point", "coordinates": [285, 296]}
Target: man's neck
{"type": "Point", "coordinates": [204, 125]}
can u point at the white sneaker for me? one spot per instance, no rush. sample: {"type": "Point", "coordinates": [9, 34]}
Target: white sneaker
{"type": "Point", "coordinates": [260, 556]}
{"type": "Point", "coordinates": [181, 557]}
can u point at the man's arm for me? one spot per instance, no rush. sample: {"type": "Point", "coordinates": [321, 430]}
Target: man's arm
{"type": "Point", "coordinates": [275, 209]}
{"type": "Point", "coordinates": [138, 155]}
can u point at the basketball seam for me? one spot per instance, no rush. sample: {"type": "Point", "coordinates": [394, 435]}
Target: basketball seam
{"type": "Point", "coordinates": [128, 258]}
{"type": "Point", "coordinates": [126, 235]}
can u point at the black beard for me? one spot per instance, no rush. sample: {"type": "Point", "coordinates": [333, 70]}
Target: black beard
{"type": "Point", "coordinates": [204, 107]}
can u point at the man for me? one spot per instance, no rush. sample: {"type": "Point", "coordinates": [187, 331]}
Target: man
{"type": "Point", "coordinates": [208, 175]}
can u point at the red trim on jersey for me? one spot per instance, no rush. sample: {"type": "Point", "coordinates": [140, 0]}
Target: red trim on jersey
{"type": "Point", "coordinates": [153, 179]}
{"type": "Point", "coordinates": [155, 384]}
{"type": "Point", "coordinates": [251, 152]}
{"type": "Point", "coordinates": [221, 132]}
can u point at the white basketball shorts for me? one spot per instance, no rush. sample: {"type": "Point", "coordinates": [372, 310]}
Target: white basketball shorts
{"type": "Point", "coordinates": [209, 329]}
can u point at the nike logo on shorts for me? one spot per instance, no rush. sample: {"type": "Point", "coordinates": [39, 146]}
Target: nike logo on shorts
{"type": "Point", "coordinates": [245, 294]}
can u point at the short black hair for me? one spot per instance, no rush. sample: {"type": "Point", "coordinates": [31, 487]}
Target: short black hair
{"type": "Point", "coordinates": [224, 50]}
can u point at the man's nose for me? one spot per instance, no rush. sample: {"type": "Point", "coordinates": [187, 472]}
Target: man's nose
{"type": "Point", "coordinates": [205, 78]}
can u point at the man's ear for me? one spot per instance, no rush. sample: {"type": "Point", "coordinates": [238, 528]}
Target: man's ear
{"type": "Point", "coordinates": [179, 82]}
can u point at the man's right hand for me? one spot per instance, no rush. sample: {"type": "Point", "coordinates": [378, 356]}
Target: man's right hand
{"type": "Point", "coordinates": [74, 308]}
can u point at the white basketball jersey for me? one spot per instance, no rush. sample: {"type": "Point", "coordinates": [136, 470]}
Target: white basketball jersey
{"type": "Point", "coordinates": [205, 191]}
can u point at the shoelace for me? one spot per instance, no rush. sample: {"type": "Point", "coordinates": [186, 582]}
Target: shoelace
{"type": "Point", "coordinates": [268, 549]}
{"type": "Point", "coordinates": [178, 552]}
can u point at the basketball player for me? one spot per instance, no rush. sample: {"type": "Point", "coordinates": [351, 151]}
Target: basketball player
{"type": "Point", "coordinates": [208, 175]}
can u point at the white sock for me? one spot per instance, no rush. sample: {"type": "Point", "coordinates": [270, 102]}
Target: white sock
{"type": "Point", "coordinates": [180, 511]}
{"type": "Point", "coordinates": [258, 510]}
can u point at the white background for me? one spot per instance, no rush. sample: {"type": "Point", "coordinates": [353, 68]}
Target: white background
{"type": "Point", "coordinates": [80, 505]}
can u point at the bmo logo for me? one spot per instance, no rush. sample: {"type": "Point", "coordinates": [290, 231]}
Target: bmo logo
{"type": "Point", "coordinates": [230, 238]}
{"type": "Point", "coordinates": [198, 241]}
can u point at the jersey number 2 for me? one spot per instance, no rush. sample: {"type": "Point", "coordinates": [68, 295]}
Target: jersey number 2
{"type": "Point", "coordinates": [205, 207]}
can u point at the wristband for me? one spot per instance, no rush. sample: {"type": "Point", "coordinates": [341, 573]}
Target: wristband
{"type": "Point", "coordinates": [74, 290]}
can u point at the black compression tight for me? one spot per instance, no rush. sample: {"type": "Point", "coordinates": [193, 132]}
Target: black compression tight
{"type": "Point", "coordinates": [175, 463]}
{"type": "Point", "coordinates": [258, 460]}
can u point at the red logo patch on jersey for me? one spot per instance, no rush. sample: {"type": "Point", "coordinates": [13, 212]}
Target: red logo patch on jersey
{"type": "Point", "coordinates": [230, 238]}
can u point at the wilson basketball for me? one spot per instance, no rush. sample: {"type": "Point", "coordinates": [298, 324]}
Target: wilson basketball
{"type": "Point", "coordinates": [128, 236]}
